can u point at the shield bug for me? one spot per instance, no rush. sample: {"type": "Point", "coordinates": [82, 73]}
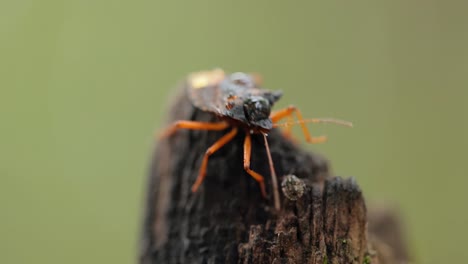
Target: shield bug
{"type": "Point", "coordinates": [240, 104]}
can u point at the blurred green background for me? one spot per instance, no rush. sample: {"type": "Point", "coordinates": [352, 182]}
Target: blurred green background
{"type": "Point", "coordinates": [84, 84]}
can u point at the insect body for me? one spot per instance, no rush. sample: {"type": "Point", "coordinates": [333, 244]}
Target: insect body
{"type": "Point", "coordinates": [240, 104]}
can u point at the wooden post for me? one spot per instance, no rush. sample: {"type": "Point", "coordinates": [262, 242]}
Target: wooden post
{"type": "Point", "coordinates": [228, 221]}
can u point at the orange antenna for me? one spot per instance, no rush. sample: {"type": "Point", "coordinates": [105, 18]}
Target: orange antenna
{"type": "Point", "coordinates": [315, 120]}
{"type": "Point", "coordinates": [273, 175]}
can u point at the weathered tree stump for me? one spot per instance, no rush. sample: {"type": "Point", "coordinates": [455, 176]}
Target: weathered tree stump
{"type": "Point", "coordinates": [228, 221]}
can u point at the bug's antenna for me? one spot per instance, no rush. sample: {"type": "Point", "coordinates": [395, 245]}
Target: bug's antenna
{"type": "Point", "coordinates": [273, 175]}
{"type": "Point", "coordinates": [315, 120]}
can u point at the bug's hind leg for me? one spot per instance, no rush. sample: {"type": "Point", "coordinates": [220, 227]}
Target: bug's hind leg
{"type": "Point", "coordinates": [193, 125]}
{"type": "Point", "coordinates": [288, 112]}
{"type": "Point", "coordinates": [215, 147]}
{"type": "Point", "coordinates": [255, 175]}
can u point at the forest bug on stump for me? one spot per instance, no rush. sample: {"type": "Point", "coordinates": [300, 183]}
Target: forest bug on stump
{"type": "Point", "coordinates": [240, 104]}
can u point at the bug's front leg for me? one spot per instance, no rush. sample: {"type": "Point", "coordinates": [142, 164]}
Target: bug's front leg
{"type": "Point", "coordinates": [247, 153]}
{"type": "Point", "coordinates": [215, 147]}
{"type": "Point", "coordinates": [288, 113]}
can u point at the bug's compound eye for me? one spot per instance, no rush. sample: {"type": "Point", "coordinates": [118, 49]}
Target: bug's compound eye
{"type": "Point", "coordinates": [257, 108]}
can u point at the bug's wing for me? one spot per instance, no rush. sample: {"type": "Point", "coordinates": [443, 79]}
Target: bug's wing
{"type": "Point", "coordinates": [204, 92]}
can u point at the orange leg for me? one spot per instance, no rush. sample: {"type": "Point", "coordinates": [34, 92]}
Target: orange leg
{"type": "Point", "coordinates": [215, 147]}
{"type": "Point", "coordinates": [288, 129]}
{"type": "Point", "coordinates": [288, 112]}
{"type": "Point", "coordinates": [193, 125]}
{"type": "Point", "coordinates": [255, 175]}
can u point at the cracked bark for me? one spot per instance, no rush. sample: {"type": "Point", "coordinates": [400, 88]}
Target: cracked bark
{"type": "Point", "coordinates": [228, 221]}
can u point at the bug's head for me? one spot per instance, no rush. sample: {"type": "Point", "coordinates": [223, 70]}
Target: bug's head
{"type": "Point", "coordinates": [257, 110]}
